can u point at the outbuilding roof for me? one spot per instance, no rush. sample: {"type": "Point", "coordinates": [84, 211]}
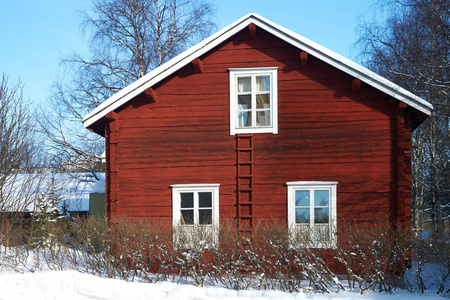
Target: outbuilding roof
{"type": "Point", "coordinates": [296, 40]}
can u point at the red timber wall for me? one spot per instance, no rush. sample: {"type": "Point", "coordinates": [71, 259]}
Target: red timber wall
{"type": "Point", "coordinates": [327, 132]}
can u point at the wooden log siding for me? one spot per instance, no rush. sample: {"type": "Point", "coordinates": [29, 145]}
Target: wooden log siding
{"type": "Point", "coordinates": [403, 162]}
{"type": "Point", "coordinates": [112, 166]}
{"type": "Point", "coordinates": [107, 173]}
{"type": "Point", "coordinates": [326, 133]}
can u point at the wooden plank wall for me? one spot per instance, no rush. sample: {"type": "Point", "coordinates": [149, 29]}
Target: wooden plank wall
{"type": "Point", "coordinates": [326, 133]}
{"type": "Point", "coordinates": [402, 208]}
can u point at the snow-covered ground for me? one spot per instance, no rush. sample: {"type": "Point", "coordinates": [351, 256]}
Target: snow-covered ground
{"type": "Point", "coordinates": [24, 280]}
{"type": "Point", "coordinates": [70, 285]}
{"type": "Point", "coordinates": [31, 274]}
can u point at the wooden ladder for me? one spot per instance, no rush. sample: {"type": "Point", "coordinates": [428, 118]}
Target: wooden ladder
{"type": "Point", "coordinates": [245, 185]}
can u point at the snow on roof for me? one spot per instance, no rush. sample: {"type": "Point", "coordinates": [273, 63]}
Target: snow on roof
{"type": "Point", "coordinates": [20, 192]}
{"type": "Point", "coordinates": [74, 190]}
{"type": "Point", "coordinates": [103, 157]}
{"type": "Point", "coordinates": [302, 43]}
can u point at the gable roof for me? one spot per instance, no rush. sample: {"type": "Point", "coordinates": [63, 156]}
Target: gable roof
{"type": "Point", "coordinates": [296, 40]}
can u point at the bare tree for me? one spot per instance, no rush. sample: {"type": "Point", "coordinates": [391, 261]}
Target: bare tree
{"type": "Point", "coordinates": [128, 38]}
{"type": "Point", "coordinates": [20, 157]}
{"type": "Point", "coordinates": [411, 46]}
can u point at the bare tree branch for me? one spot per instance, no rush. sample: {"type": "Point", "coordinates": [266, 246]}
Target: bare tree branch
{"type": "Point", "coordinates": [127, 39]}
{"type": "Point", "coordinates": [412, 48]}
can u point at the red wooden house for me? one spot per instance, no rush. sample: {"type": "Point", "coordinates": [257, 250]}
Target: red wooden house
{"type": "Point", "coordinates": [259, 123]}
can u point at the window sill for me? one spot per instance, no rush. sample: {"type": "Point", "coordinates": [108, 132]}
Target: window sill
{"type": "Point", "coordinates": [251, 130]}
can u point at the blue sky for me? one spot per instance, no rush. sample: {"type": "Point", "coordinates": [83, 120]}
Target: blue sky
{"type": "Point", "coordinates": [36, 34]}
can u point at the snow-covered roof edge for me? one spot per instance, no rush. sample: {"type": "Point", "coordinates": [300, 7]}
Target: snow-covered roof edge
{"type": "Point", "coordinates": [322, 53]}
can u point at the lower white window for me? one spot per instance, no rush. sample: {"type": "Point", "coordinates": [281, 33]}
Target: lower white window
{"type": "Point", "coordinates": [195, 214]}
{"type": "Point", "coordinates": [312, 212]}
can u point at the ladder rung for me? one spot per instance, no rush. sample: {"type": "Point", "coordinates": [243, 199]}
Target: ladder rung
{"type": "Point", "coordinates": [244, 176]}
{"type": "Point", "coordinates": [249, 162]}
{"type": "Point", "coordinates": [245, 216]}
{"type": "Point", "coordinates": [245, 203]}
{"type": "Point", "coordinates": [241, 135]}
{"type": "Point", "coordinates": [244, 189]}
{"type": "Point", "coordinates": [244, 164]}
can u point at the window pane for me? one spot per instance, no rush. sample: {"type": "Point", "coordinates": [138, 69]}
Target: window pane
{"type": "Point", "coordinates": [244, 84]}
{"type": "Point", "coordinates": [301, 198]}
{"type": "Point", "coordinates": [245, 119]}
{"type": "Point", "coordinates": [263, 118]}
{"type": "Point", "coordinates": [263, 83]}
{"type": "Point", "coordinates": [187, 200]}
{"type": "Point", "coordinates": [301, 215]}
{"type": "Point", "coordinates": [187, 217]}
{"type": "Point", "coordinates": [204, 199]}
{"type": "Point", "coordinates": [205, 216]}
{"type": "Point", "coordinates": [321, 198]}
{"type": "Point", "coordinates": [263, 101]}
{"type": "Point", "coordinates": [244, 102]}
{"type": "Point", "coordinates": [321, 215]}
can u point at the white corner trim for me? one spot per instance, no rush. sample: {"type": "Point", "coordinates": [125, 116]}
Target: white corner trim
{"type": "Point", "coordinates": [302, 43]}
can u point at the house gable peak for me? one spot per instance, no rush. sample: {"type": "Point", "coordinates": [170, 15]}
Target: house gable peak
{"type": "Point", "coordinates": [253, 21]}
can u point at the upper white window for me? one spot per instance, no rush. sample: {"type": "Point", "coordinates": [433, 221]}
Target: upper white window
{"type": "Point", "coordinates": [195, 213]}
{"type": "Point", "coordinates": [253, 100]}
{"type": "Point", "coordinates": [312, 212]}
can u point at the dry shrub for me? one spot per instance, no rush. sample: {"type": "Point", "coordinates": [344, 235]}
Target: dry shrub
{"type": "Point", "coordinates": [230, 265]}
{"type": "Point", "coordinates": [125, 247]}
{"type": "Point", "coordinates": [194, 248]}
{"type": "Point", "coordinates": [431, 263]}
{"type": "Point", "coordinates": [294, 260]}
{"type": "Point", "coordinates": [15, 229]}
{"type": "Point", "coordinates": [270, 258]}
{"type": "Point", "coordinates": [374, 255]}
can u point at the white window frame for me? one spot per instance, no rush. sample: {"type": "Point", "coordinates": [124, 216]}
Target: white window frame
{"type": "Point", "coordinates": [234, 74]}
{"type": "Point", "coordinates": [177, 189]}
{"type": "Point", "coordinates": [331, 186]}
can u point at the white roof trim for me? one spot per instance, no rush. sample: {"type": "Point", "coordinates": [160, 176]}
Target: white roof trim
{"type": "Point", "coordinates": [322, 53]}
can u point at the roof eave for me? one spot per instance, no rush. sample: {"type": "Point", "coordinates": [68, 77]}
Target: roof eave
{"type": "Point", "coordinates": [346, 65]}
{"type": "Point", "coordinates": [302, 43]}
{"type": "Point", "coordinates": [164, 70]}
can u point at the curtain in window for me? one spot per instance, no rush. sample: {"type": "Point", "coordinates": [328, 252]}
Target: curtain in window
{"type": "Point", "coordinates": [244, 84]}
{"type": "Point", "coordinates": [263, 83]}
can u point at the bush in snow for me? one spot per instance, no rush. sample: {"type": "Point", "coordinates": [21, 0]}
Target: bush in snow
{"type": "Point", "coordinates": [47, 217]}
{"type": "Point", "coordinates": [431, 263]}
{"type": "Point", "coordinates": [373, 255]}
{"type": "Point", "coordinates": [268, 258]}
